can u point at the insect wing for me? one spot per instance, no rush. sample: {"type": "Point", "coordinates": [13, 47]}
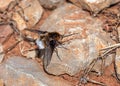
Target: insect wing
{"type": "Point", "coordinates": [48, 56]}
{"type": "Point", "coordinates": [48, 53]}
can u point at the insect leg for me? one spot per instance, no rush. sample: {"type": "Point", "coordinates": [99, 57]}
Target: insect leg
{"type": "Point", "coordinates": [61, 45]}
{"type": "Point", "coordinates": [56, 51]}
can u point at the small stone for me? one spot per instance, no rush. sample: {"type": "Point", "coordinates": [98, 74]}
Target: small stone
{"type": "Point", "coordinates": [51, 4]}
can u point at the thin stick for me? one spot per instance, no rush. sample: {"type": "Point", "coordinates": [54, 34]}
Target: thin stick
{"type": "Point", "coordinates": [115, 45]}
{"type": "Point", "coordinates": [115, 70]}
{"type": "Point", "coordinates": [95, 82]}
{"type": "Point", "coordinates": [10, 48]}
{"type": "Point", "coordinates": [8, 37]}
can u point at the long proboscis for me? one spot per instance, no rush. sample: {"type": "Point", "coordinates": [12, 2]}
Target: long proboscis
{"type": "Point", "coordinates": [36, 31]}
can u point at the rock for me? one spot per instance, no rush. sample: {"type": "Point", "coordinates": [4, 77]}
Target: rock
{"type": "Point", "coordinates": [19, 71]}
{"type": "Point", "coordinates": [32, 13]}
{"type": "Point", "coordinates": [21, 24]}
{"type": "Point", "coordinates": [5, 30]}
{"type": "Point", "coordinates": [51, 4]}
{"type": "Point", "coordinates": [27, 14]}
{"type": "Point", "coordinates": [94, 6]}
{"type": "Point", "coordinates": [3, 3]}
{"type": "Point", "coordinates": [83, 47]}
{"type": "Point", "coordinates": [31, 54]}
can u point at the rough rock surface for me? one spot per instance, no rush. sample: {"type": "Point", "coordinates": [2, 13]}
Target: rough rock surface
{"type": "Point", "coordinates": [32, 13]}
{"type": "Point", "coordinates": [3, 3]}
{"type": "Point", "coordinates": [51, 4]}
{"type": "Point", "coordinates": [27, 14]}
{"type": "Point", "coordinates": [94, 5]}
{"type": "Point", "coordinates": [19, 71]}
{"type": "Point", "coordinates": [83, 47]}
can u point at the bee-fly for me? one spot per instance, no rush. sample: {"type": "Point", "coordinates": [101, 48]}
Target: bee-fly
{"type": "Point", "coordinates": [47, 42]}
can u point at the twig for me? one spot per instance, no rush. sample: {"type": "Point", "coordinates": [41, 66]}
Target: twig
{"type": "Point", "coordinates": [115, 45]}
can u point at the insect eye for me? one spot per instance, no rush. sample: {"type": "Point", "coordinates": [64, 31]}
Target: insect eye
{"type": "Point", "coordinates": [52, 42]}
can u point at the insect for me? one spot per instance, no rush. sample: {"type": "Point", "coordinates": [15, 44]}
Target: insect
{"type": "Point", "coordinates": [47, 43]}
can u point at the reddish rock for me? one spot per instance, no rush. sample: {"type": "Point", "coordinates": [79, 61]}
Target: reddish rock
{"type": "Point", "coordinates": [5, 30]}
{"type": "Point", "coordinates": [83, 47]}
